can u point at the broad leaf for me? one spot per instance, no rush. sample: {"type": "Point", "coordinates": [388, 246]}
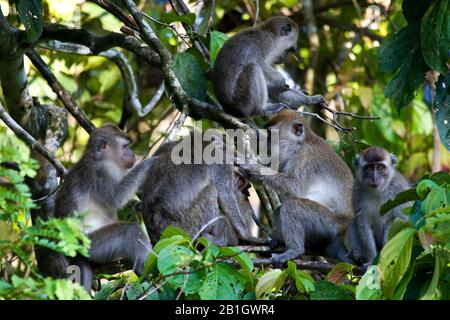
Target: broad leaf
{"type": "Point", "coordinates": [339, 273]}
{"type": "Point", "coordinates": [30, 13]}
{"type": "Point", "coordinates": [369, 285]}
{"type": "Point", "coordinates": [394, 260]}
{"type": "Point", "coordinates": [400, 198]}
{"type": "Point", "coordinates": [442, 109]}
{"type": "Point", "coordinates": [171, 231]}
{"type": "Point", "coordinates": [431, 291]}
{"type": "Point", "coordinates": [329, 291]}
{"type": "Point", "coordinates": [435, 36]}
{"type": "Point", "coordinates": [176, 259]}
{"type": "Point", "coordinates": [402, 56]}
{"type": "Point", "coordinates": [188, 18]}
{"type": "Point", "coordinates": [223, 282]}
{"type": "Point", "coordinates": [240, 256]}
{"type": "Point", "coordinates": [191, 75]}
{"type": "Point", "coordinates": [270, 282]}
{"type": "Point", "coordinates": [216, 41]}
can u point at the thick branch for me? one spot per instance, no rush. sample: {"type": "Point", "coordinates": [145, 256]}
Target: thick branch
{"type": "Point", "coordinates": [303, 265]}
{"type": "Point", "coordinates": [131, 87]}
{"type": "Point", "coordinates": [32, 142]}
{"type": "Point", "coordinates": [12, 74]}
{"type": "Point", "coordinates": [62, 93]}
{"type": "Point", "coordinates": [98, 43]}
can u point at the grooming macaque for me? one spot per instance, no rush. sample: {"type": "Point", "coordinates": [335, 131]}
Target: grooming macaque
{"type": "Point", "coordinates": [103, 181]}
{"type": "Point", "coordinates": [244, 78]}
{"type": "Point", "coordinates": [315, 188]}
{"type": "Point", "coordinates": [376, 182]}
{"type": "Point", "coordinates": [190, 196]}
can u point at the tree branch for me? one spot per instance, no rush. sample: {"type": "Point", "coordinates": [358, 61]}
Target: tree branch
{"type": "Point", "coordinates": [32, 142]}
{"type": "Point", "coordinates": [62, 93]}
{"type": "Point", "coordinates": [98, 43]}
{"type": "Point", "coordinates": [181, 9]}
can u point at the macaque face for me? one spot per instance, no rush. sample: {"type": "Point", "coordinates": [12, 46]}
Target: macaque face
{"type": "Point", "coordinates": [375, 174]}
{"type": "Point", "coordinates": [375, 167]}
{"type": "Point", "coordinates": [287, 36]}
{"type": "Point", "coordinates": [119, 151]}
{"type": "Point", "coordinates": [128, 158]}
{"type": "Point", "coordinates": [290, 133]}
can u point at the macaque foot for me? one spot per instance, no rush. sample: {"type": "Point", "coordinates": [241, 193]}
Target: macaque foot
{"type": "Point", "coordinates": [274, 244]}
{"type": "Point", "coordinates": [273, 108]}
{"type": "Point", "coordinates": [280, 259]}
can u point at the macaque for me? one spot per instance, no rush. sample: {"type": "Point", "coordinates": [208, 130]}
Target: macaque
{"type": "Point", "coordinates": [103, 181]}
{"type": "Point", "coordinates": [190, 196]}
{"type": "Point", "coordinates": [244, 76]}
{"type": "Point", "coordinates": [315, 188]}
{"type": "Point", "coordinates": [377, 181]}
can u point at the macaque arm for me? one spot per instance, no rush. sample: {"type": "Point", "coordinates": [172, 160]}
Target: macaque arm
{"type": "Point", "coordinates": [366, 237]}
{"type": "Point", "coordinates": [228, 204]}
{"type": "Point", "coordinates": [274, 80]}
{"type": "Point", "coordinates": [123, 191]}
{"type": "Point", "coordinates": [285, 184]}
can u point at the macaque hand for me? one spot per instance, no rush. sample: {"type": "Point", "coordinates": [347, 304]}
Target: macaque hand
{"type": "Point", "coordinates": [319, 101]}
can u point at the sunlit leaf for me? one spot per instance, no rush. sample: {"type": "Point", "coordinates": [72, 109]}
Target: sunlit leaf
{"type": "Point", "coordinates": [394, 260]}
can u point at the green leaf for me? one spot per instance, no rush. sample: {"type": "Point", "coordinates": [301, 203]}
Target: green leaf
{"type": "Point", "coordinates": [435, 36]}
{"type": "Point", "coordinates": [369, 287]}
{"type": "Point", "coordinates": [240, 256]}
{"type": "Point", "coordinates": [191, 75]}
{"type": "Point", "coordinates": [270, 282]}
{"type": "Point", "coordinates": [139, 289]}
{"type": "Point", "coordinates": [30, 13]}
{"type": "Point", "coordinates": [402, 56]}
{"type": "Point", "coordinates": [397, 226]}
{"type": "Point", "coordinates": [439, 197]}
{"type": "Point", "coordinates": [400, 198]}
{"type": "Point", "coordinates": [329, 291]}
{"type": "Point", "coordinates": [303, 281]}
{"type": "Point", "coordinates": [222, 282]}
{"type": "Point", "coordinates": [216, 41]}
{"type": "Point", "coordinates": [171, 231]}
{"type": "Point", "coordinates": [441, 107]}
{"type": "Point", "coordinates": [188, 18]}
{"type": "Point", "coordinates": [431, 291]}
{"type": "Point", "coordinates": [174, 259]}
{"type": "Point", "coordinates": [394, 260]}
{"type": "Point", "coordinates": [160, 245]}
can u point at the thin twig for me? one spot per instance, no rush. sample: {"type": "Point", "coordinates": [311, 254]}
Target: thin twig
{"type": "Point", "coordinates": [256, 13]}
{"type": "Point", "coordinates": [32, 142]}
{"type": "Point", "coordinates": [210, 222]}
{"type": "Point", "coordinates": [62, 94]}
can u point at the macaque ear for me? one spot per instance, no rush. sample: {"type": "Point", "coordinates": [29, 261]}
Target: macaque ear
{"type": "Point", "coordinates": [394, 159]}
{"type": "Point", "coordinates": [101, 146]}
{"type": "Point", "coordinates": [286, 30]}
{"type": "Point", "coordinates": [297, 128]}
{"type": "Point", "coordinates": [356, 161]}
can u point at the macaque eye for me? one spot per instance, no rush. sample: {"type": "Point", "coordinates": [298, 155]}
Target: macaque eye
{"type": "Point", "coordinates": [297, 128]}
{"type": "Point", "coordinates": [380, 167]}
{"type": "Point", "coordinates": [369, 168]}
